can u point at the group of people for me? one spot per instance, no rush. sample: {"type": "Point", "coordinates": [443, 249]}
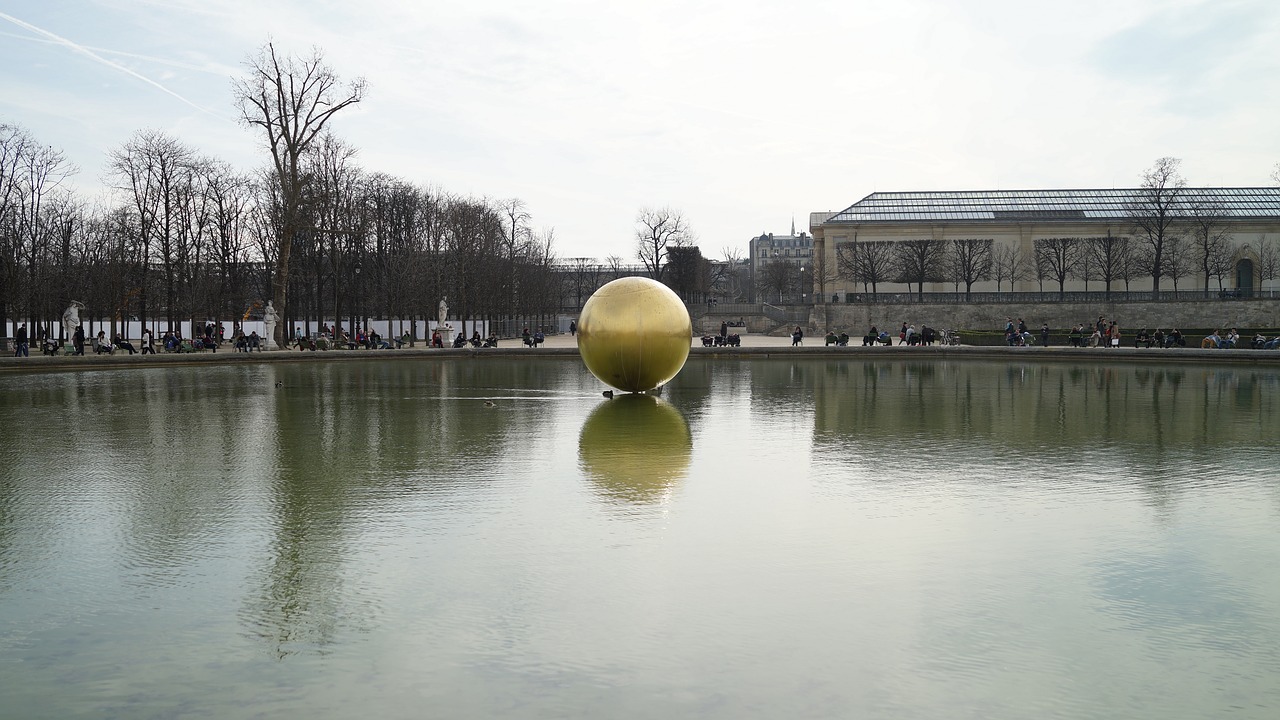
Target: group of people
{"type": "Point", "coordinates": [1018, 335]}
{"type": "Point", "coordinates": [533, 340]}
{"type": "Point", "coordinates": [100, 343]}
{"type": "Point", "coordinates": [907, 335]}
{"type": "Point", "coordinates": [1231, 339]}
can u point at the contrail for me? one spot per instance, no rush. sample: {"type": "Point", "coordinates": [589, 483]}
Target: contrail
{"type": "Point", "coordinates": [98, 58]}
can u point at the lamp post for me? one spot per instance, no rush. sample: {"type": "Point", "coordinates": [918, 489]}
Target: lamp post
{"type": "Point", "coordinates": [356, 302]}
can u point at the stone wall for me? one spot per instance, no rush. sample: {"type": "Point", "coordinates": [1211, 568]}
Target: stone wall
{"type": "Point", "coordinates": [1242, 314]}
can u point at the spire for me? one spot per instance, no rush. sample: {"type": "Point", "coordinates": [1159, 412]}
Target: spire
{"type": "Point", "coordinates": [793, 226]}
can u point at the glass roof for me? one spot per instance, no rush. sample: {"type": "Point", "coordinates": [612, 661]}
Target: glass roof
{"type": "Point", "coordinates": [1050, 205]}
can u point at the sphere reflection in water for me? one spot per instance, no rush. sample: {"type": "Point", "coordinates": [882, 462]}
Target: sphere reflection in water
{"type": "Point", "coordinates": [634, 334]}
{"type": "Point", "coordinates": [635, 447]}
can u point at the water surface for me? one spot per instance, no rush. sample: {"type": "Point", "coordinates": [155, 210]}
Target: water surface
{"type": "Point", "coordinates": [770, 539]}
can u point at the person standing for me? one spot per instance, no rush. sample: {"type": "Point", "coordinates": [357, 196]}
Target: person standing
{"type": "Point", "coordinates": [77, 340]}
{"type": "Point", "coordinates": [1044, 335]}
{"type": "Point", "coordinates": [22, 342]}
{"type": "Point", "coordinates": [573, 329]}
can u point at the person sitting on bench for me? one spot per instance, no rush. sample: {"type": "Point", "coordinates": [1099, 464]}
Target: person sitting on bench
{"type": "Point", "coordinates": [100, 344]}
{"type": "Point", "coordinates": [123, 344]}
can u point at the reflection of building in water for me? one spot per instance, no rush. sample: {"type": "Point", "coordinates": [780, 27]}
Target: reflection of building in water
{"type": "Point", "coordinates": [1042, 406]}
{"type": "Point", "coordinates": [635, 448]}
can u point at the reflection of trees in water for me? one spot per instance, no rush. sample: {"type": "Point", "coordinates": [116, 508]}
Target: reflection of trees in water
{"type": "Point", "coordinates": [1158, 426]}
{"type": "Point", "coordinates": [148, 439]}
{"type": "Point", "coordinates": [358, 440]}
{"type": "Point", "coordinates": [691, 390]}
{"type": "Point", "coordinates": [1049, 406]}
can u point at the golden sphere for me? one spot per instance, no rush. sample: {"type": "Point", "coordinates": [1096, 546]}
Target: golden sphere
{"type": "Point", "coordinates": [635, 447]}
{"type": "Point", "coordinates": [634, 334]}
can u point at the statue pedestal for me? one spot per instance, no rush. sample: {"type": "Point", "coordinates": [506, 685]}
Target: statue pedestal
{"type": "Point", "coordinates": [446, 336]}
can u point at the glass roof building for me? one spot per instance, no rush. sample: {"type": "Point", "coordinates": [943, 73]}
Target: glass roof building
{"type": "Point", "coordinates": [1049, 205]}
{"type": "Point", "coordinates": [1025, 222]}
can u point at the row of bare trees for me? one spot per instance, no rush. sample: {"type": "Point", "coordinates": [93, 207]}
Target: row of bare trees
{"type": "Point", "coordinates": [39, 222]}
{"type": "Point", "coordinates": [1173, 234]}
{"type": "Point", "coordinates": [181, 236]}
{"type": "Point", "coordinates": [962, 261]}
{"type": "Point", "coordinates": [1204, 253]}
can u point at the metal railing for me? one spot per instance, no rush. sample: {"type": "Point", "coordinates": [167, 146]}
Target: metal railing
{"type": "Point", "coordinates": [1053, 296]}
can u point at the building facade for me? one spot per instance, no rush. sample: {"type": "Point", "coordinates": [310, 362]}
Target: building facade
{"type": "Point", "coordinates": [1049, 240]}
{"type": "Point", "coordinates": [781, 267]}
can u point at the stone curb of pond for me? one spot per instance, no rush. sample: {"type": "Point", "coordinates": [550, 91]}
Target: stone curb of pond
{"type": "Point", "coordinates": [41, 363]}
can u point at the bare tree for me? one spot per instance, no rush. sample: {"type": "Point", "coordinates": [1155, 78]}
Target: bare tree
{"type": "Point", "coordinates": [779, 278]}
{"type": "Point", "coordinates": [154, 173]}
{"type": "Point", "coordinates": [1155, 213]}
{"type": "Point", "coordinates": [1056, 258]}
{"type": "Point", "coordinates": [1107, 257]}
{"type": "Point", "coordinates": [582, 279]}
{"type": "Point", "coordinates": [1268, 260]}
{"type": "Point", "coordinates": [735, 282]}
{"type": "Point", "coordinates": [968, 261]}
{"type": "Point", "coordinates": [919, 262]}
{"type": "Point", "coordinates": [291, 100]}
{"type": "Point", "coordinates": [1210, 237]}
{"type": "Point", "coordinates": [869, 262]}
{"type": "Point", "coordinates": [517, 237]}
{"type": "Point", "coordinates": [1008, 263]}
{"type": "Point", "coordinates": [41, 205]}
{"type": "Point", "coordinates": [15, 144]}
{"type": "Point", "coordinates": [658, 230]}
{"type": "Point", "coordinates": [824, 269]}
{"type": "Point", "coordinates": [1178, 259]}
{"type": "Point", "coordinates": [230, 196]}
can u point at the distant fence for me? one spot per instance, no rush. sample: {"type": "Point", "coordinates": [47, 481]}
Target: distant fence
{"type": "Point", "coordinates": [132, 329]}
{"type": "Point", "coordinates": [1022, 298]}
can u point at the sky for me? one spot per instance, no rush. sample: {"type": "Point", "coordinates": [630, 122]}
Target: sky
{"type": "Point", "coordinates": [743, 115]}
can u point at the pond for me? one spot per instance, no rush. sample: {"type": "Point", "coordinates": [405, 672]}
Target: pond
{"type": "Point", "coordinates": [771, 538]}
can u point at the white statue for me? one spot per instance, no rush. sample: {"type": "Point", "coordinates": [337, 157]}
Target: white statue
{"type": "Point", "coordinates": [446, 332]}
{"type": "Point", "coordinates": [71, 318]}
{"type": "Point", "coordinates": [270, 317]}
